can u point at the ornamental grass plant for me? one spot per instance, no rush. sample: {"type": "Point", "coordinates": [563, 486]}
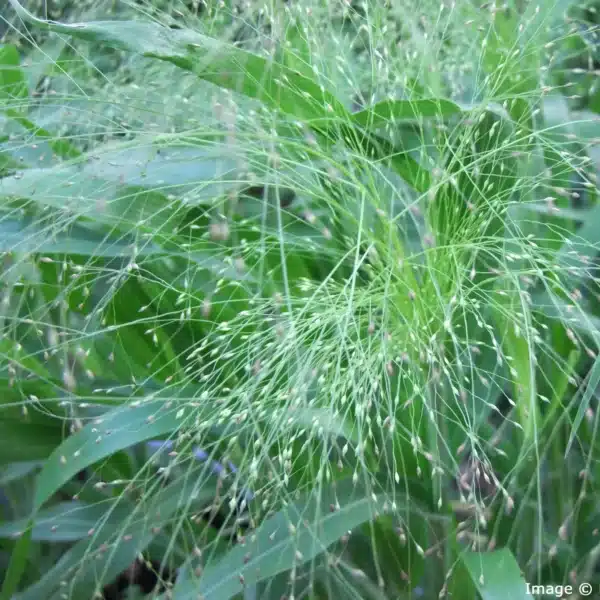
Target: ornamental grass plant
{"type": "Point", "coordinates": [298, 299]}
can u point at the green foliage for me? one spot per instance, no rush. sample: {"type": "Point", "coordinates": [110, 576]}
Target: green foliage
{"type": "Point", "coordinates": [496, 574]}
{"type": "Point", "coordinates": [277, 543]}
{"type": "Point", "coordinates": [299, 302]}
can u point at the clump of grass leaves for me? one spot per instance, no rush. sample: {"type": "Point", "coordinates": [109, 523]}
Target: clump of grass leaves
{"type": "Point", "coordinates": [299, 300]}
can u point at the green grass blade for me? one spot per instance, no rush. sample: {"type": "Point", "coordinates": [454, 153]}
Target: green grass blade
{"type": "Point", "coordinates": [18, 562]}
{"type": "Point", "coordinates": [21, 235]}
{"type": "Point", "coordinates": [276, 85]}
{"type": "Point", "coordinates": [27, 441]}
{"type": "Point", "coordinates": [128, 184]}
{"type": "Point", "coordinates": [220, 63]}
{"type": "Point", "coordinates": [520, 345]}
{"type": "Point", "coordinates": [122, 428]}
{"type": "Point", "coordinates": [18, 470]}
{"type": "Point", "coordinates": [403, 110]}
{"type": "Point", "coordinates": [584, 243]}
{"type": "Point", "coordinates": [13, 85]}
{"type": "Point", "coordinates": [64, 522]}
{"type": "Point", "coordinates": [85, 567]}
{"type": "Point", "coordinates": [61, 148]}
{"type": "Point", "coordinates": [593, 380]}
{"type": "Point", "coordinates": [293, 536]}
{"type": "Point", "coordinates": [496, 575]}
{"type": "Point", "coordinates": [13, 89]}
{"type": "Point", "coordinates": [299, 56]}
